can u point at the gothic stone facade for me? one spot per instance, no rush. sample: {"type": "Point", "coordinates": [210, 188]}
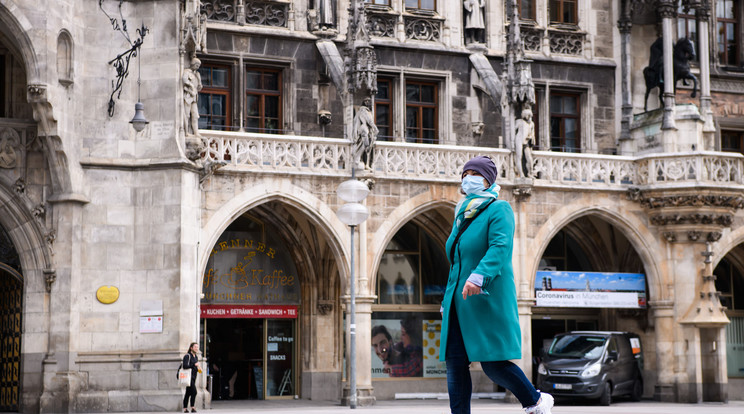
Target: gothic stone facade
{"type": "Point", "coordinates": [86, 201]}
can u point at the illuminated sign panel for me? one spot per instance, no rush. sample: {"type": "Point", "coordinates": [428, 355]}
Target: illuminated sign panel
{"type": "Point", "coordinates": [590, 290]}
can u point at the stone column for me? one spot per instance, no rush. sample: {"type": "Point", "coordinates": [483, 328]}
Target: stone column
{"type": "Point", "coordinates": [624, 25]}
{"type": "Point", "coordinates": [365, 394]}
{"type": "Point", "coordinates": [703, 17]}
{"type": "Point", "coordinates": [663, 314]}
{"type": "Point", "coordinates": [667, 12]}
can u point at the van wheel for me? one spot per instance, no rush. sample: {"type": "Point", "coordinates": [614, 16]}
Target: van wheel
{"type": "Point", "coordinates": [637, 392]}
{"type": "Point", "coordinates": [606, 397]}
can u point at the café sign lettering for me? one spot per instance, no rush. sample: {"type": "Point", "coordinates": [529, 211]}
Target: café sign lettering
{"type": "Point", "coordinates": [242, 270]}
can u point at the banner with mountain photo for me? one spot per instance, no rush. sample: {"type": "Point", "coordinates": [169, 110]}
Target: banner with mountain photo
{"type": "Point", "coordinates": [590, 290]}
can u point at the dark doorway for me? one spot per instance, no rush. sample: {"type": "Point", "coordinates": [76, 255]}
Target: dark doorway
{"type": "Point", "coordinates": [235, 353]}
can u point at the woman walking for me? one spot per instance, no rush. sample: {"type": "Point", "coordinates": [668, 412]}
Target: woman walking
{"type": "Point", "coordinates": [190, 360]}
{"type": "Point", "coordinates": [480, 321]}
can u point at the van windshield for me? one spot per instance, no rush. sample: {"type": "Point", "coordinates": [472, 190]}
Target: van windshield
{"type": "Point", "coordinates": [577, 346]}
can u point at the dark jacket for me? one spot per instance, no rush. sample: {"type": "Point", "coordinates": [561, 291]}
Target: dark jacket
{"type": "Point", "coordinates": [189, 361]}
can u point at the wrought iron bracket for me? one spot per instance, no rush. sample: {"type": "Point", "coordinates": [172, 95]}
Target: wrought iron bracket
{"type": "Point", "coordinates": [121, 61]}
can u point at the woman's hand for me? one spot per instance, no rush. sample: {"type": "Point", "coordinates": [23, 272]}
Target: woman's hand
{"type": "Point", "coordinates": [470, 289]}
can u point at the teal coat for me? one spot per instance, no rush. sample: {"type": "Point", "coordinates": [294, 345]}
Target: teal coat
{"type": "Point", "coordinates": [489, 323]}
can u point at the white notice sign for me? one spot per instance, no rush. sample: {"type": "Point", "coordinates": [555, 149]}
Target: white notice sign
{"type": "Point", "coordinates": [151, 324]}
{"type": "Point", "coordinates": [555, 298]}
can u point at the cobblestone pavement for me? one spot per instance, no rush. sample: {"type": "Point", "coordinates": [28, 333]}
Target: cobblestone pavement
{"type": "Point", "coordinates": [478, 407]}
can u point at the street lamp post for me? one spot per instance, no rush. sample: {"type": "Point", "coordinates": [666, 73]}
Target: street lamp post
{"type": "Point", "coordinates": [353, 213]}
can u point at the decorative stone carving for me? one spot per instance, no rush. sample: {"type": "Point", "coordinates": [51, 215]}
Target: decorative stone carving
{"type": "Point", "coordinates": [10, 141]}
{"type": "Point", "coordinates": [714, 236]}
{"type": "Point", "coordinates": [50, 276]}
{"type": "Point", "coordinates": [325, 117]}
{"type": "Point", "coordinates": [65, 58]}
{"type": "Point", "coordinates": [194, 34]}
{"type": "Point", "coordinates": [531, 38]}
{"type": "Point", "coordinates": [20, 186]}
{"type": "Point", "coordinates": [325, 307]}
{"type": "Point", "coordinates": [209, 169]}
{"type": "Point", "coordinates": [39, 211]}
{"type": "Point", "coordinates": [475, 21]}
{"type": "Point", "coordinates": [566, 43]}
{"type": "Point", "coordinates": [677, 219]}
{"type": "Point", "coordinates": [266, 14]}
{"type": "Point", "coordinates": [326, 10]}
{"type": "Point", "coordinates": [670, 236]}
{"type": "Point", "coordinates": [693, 200]}
{"type": "Point", "coordinates": [222, 10]}
{"type": "Point", "coordinates": [693, 235]}
{"type": "Point", "coordinates": [365, 135]}
{"type": "Point", "coordinates": [381, 25]}
{"type": "Point", "coordinates": [524, 140]}
{"type": "Point", "coordinates": [192, 84]}
{"type": "Point", "coordinates": [423, 29]}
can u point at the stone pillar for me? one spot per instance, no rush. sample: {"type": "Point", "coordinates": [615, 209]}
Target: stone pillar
{"type": "Point", "coordinates": [62, 382]}
{"type": "Point", "coordinates": [624, 25]}
{"type": "Point", "coordinates": [365, 391]}
{"type": "Point", "coordinates": [703, 17]}
{"type": "Point", "coordinates": [667, 12]}
{"type": "Point", "coordinates": [663, 314]}
{"type": "Point", "coordinates": [690, 389]}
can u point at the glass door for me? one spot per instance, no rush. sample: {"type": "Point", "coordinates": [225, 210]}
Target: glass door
{"type": "Point", "coordinates": [280, 356]}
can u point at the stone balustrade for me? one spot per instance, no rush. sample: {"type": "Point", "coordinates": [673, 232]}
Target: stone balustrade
{"type": "Point", "coordinates": [420, 162]}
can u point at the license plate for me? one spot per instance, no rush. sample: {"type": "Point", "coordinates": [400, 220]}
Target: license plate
{"type": "Point", "coordinates": [562, 386]}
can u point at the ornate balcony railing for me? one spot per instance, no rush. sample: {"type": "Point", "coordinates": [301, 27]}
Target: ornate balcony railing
{"type": "Point", "coordinates": [420, 162]}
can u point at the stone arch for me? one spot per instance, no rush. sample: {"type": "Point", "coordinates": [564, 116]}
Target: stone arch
{"type": "Point", "coordinates": [25, 232]}
{"type": "Point", "coordinates": [12, 17]}
{"type": "Point", "coordinates": [727, 243]}
{"type": "Point", "coordinates": [635, 231]}
{"type": "Point", "coordinates": [400, 216]}
{"type": "Point", "coordinates": [319, 213]}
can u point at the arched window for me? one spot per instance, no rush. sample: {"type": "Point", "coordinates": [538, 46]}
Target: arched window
{"type": "Point", "coordinates": [64, 58]}
{"type": "Point", "coordinates": [406, 322]}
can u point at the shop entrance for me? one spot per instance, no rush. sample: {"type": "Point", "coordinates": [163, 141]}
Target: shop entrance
{"type": "Point", "coordinates": [250, 358]}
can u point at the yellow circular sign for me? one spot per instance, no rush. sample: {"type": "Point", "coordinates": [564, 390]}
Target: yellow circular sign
{"type": "Point", "coordinates": [107, 294]}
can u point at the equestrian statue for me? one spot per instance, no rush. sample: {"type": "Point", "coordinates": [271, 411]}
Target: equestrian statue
{"type": "Point", "coordinates": [684, 52]}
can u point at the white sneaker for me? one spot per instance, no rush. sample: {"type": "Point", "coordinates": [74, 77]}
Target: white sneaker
{"type": "Point", "coordinates": [543, 406]}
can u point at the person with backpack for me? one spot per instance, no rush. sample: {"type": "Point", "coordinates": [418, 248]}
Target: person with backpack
{"type": "Point", "coordinates": [190, 360]}
{"type": "Point", "coordinates": [480, 321]}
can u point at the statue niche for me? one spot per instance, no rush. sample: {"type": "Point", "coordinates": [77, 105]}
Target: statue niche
{"type": "Point", "coordinates": [684, 52]}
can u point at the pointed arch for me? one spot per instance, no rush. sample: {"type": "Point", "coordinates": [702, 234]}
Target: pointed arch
{"type": "Point", "coordinates": [638, 235]}
{"type": "Point", "coordinates": [318, 213]}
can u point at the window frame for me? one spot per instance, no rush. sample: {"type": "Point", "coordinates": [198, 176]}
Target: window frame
{"type": "Point", "coordinates": [419, 8]}
{"type": "Point", "coordinates": [740, 137]}
{"type": "Point", "coordinates": [419, 139]}
{"type": "Point", "coordinates": [388, 102]}
{"type": "Point", "coordinates": [722, 52]}
{"type": "Point", "coordinates": [690, 22]}
{"type": "Point", "coordinates": [263, 93]}
{"type": "Point", "coordinates": [559, 13]}
{"type": "Point", "coordinates": [551, 114]}
{"type": "Point", "coordinates": [532, 13]}
{"type": "Point", "coordinates": [224, 91]}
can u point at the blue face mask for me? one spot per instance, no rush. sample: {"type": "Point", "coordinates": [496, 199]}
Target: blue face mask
{"type": "Point", "coordinates": [472, 184]}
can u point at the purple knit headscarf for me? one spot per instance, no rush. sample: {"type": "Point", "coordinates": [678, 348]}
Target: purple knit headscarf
{"type": "Point", "coordinates": [484, 166]}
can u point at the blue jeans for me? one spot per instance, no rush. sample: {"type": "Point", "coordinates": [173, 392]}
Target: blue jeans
{"type": "Point", "coordinates": [459, 384]}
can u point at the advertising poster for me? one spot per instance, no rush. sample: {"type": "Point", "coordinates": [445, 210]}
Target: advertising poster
{"type": "Point", "coordinates": [590, 289]}
{"type": "Point", "coordinates": [433, 368]}
{"type": "Point", "coordinates": [406, 347]}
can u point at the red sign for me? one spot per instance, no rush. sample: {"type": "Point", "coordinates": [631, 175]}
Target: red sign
{"type": "Point", "coordinates": [249, 311]}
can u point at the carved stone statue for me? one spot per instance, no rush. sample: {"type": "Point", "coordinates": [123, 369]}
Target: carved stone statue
{"type": "Point", "coordinates": [9, 139]}
{"type": "Point", "coordinates": [475, 22]}
{"type": "Point", "coordinates": [524, 140]}
{"type": "Point", "coordinates": [326, 13]}
{"type": "Point", "coordinates": [192, 84]}
{"type": "Point", "coordinates": [364, 135]}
